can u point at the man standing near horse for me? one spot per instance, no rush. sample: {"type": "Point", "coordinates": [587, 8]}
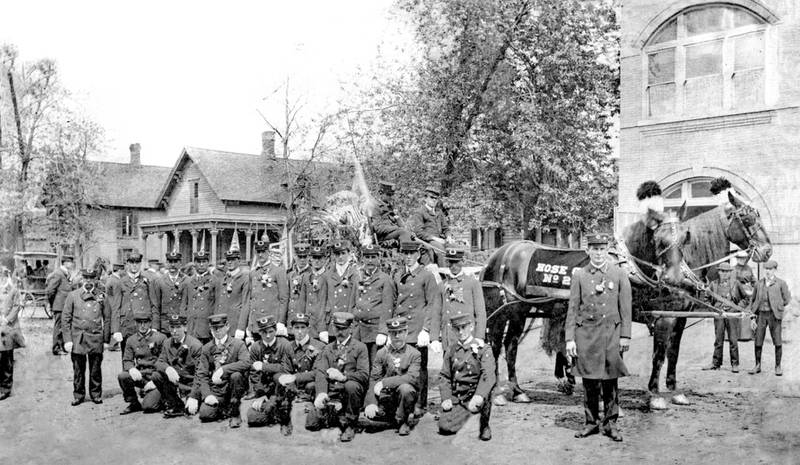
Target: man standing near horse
{"type": "Point", "coordinates": [57, 286]}
{"type": "Point", "coordinates": [598, 331]}
{"type": "Point", "coordinates": [729, 288]}
{"type": "Point", "coordinates": [770, 297]}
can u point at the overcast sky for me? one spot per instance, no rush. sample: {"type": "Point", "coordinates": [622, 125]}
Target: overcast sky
{"type": "Point", "coordinates": [176, 73]}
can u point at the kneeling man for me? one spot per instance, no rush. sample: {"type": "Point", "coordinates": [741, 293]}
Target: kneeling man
{"type": "Point", "coordinates": [176, 367]}
{"type": "Point", "coordinates": [270, 357]}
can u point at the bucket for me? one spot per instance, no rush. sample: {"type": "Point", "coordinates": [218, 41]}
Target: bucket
{"type": "Point", "coordinates": [747, 327]}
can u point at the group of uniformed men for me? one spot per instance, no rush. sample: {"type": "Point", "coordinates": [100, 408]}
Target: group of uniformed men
{"type": "Point", "coordinates": [343, 334]}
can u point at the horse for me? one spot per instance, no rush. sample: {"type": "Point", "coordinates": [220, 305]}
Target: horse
{"type": "Point", "coordinates": [659, 246]}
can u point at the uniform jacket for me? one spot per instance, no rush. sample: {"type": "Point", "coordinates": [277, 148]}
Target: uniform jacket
{"type": "Point", "coordinates": [232, 295]}
{"type": "Point", "coordinates": [269, 295]}
{"type": "Point", "coordinates": [129, 296]}
{"type": "Point", "coordinates": [467, 370]}
{"type": "Point", "coordinates": [351, 359]}
{"type": "Point", "coordinates": [232, 356]}
{"type": "Point", "coordinates": [461, 294]}
{"type": "Point", "coordinates": [276, 359]}
{"type": "Point", "coordinates": [427, 224]}
{"type": "Point", "coordinates": [10, 335]}
{"type": "Point", "coordinates": [303, 357]}
{"type": "Point", "coordinates": [86, 321]}
{"type": "Point", "coordinates": [394, 367]}
{"type": "Point", "coordinates": [342, 290]}
{"type": "Point", "coordinates": [171, 298]}
{"type": "Point", "coordinates": [418, 299]}
{"type": "Point", "coordinates": [142, 352]}
{"type": "Point", "coordinates": [57, 286]}
{"type": "Point", "coordinates": [777, 295]}
{"type": "Point", "coordinates": [295, 280]}
{"type": "Point", "coordinates": [182, 356]}
{"type": "Point", "coordinates": [599, 313]}
{"type": "Point", "coordinates": [314, 297]}
{"type": "Point", "coordinates": [385, 220]}
{"type": "Point", "coordinates": [200, 304]}
{"type": "Point", "coordinates": [375, 296]}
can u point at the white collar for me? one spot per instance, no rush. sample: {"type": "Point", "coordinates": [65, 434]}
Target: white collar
{"type": "Point", "coordinates": [341, 270]}
{"type": "Point", "coordinates": [133, 276]}
{"type": "Point", "coordinates": [411, 269]}
{"type": "Point", "coordinates": [234, 272]}
{"type": "Point", "coordinates": [344, 343]}
{"type": "Point", "coordinates": [467, 342]}
{"type": "Point", "coordinates": [222, 341]}
{"type": "Point", "coordinates": [304, 341]}
{"type": "Point", "coordinates": [319, 271]}
{"type": "Point", "coordinates": [64, 269]}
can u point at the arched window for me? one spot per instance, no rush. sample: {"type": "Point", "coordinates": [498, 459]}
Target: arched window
{"type": "Point", "coordinates": [705, 60]}
{"type": "Point", "coordinates": [696, 192]}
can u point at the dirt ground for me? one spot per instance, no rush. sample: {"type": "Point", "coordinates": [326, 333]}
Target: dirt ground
{"type": "Point", "coordinates": [734, 418]}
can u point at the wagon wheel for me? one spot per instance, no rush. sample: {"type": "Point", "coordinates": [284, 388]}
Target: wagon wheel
{"type": "Point", "coordinates": [26, 299]}
{"type": "Point", "coordinates": [46, 306]}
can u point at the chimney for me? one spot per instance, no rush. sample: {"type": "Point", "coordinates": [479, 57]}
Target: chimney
{"type": "Point", "coordinates": [268, 144]}
{"type": "Point", "coordinates": [136, 154]}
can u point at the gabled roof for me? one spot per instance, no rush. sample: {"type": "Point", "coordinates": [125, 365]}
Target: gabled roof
{"type": "Point", "coordinates": [127, 185]}
{"type": "Point", "coordinates": [246, 177]}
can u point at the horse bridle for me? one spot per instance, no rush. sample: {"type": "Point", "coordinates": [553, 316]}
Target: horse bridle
{"type": "Point", "coordinates": [749, 231]}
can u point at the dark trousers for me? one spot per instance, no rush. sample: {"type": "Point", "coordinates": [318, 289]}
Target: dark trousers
{"type": "Point", "coordinates": [563, 367]}
{"type": "Point", "coordinates": [351, 396]}
{"type": "Point", "coordinates": [79, 375]}
{"type": "Point", "coordinates": [229, 395]}
{"type": "Point", "coordinates": [372, 349]}
{"type": "Point", "coordinates": [398, 404]}
{"type": "Point", "coordinates": [151, 401]}
{"type": "Point", "coordinates": [6, 370]}
{"type": "Point", "coordinates": [171, 393]}
{"type": "Point", "coordinates": [767, 319]}
{"type": "Point", "coordinates": [721, 326]}
{"type": "Point", "coordinates": [58, 337]}
{"type": "Point", "coordinates": [276, 409]}
{"type": "Point", "coordinates": [592, 389]}
{"type": "Point", "coordinates": [422, 399]}
{"type": "Point", "coordinates": [452, 421]}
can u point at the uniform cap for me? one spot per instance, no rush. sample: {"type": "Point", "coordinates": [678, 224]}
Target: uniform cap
{"type": "Point", "coordinates": [317, 251]}
{"type": "Point", "coordinates": [218, 320]}
{"type": "Point", "coordinates": [371, 250]}
{"type": "Point", "coordinates": [725, 266]}
{"type": "Point", "coordinates": [771, 265]}
{"type": "Point", "coordinates": [152, 261]}
{"type": "Point", "coordinates": [261, 246]}
{"type": "Point", "coordinates": [302, 249]}
{"type": "Point", "coordinates": [300, 318]}
{"type": "Point", "coordinates": [433, 191]}
{"type": "Point", "coordinates": [89, 273]}
{"type": "Point", "coordinates": [117, 266]}
{"type": "Point", "coordinates": [174, 256]}
{"type": "Point", "coordinates": [267, 322]}
{"type": "Point", "coordinates": [177, 320]}
{"type": "Point", "coordinates": [409, 246]}
{"type": "Point", "coordinates": [200, 256]}
{"type": "Point", "coordinates": [460, 320]}
{"type": "Point", "coordinates": [597, 239]}
{"type": "Point", "coordinates": [341, 246]}
{"type": "Point", "coordinates": [399, 323]}
{"type": "Point", "coordinates": [342, 319]}
{"type": "Point", "coordinates": [232, 255]}
{"type": "Point", "coordinates": [453, 254]}
{"type": "Point", "coordinates": [134, 257]}
{"type": "Point", "coordinates": [141, 316]}
{"type": "Point", "coordinates": [67, 258]}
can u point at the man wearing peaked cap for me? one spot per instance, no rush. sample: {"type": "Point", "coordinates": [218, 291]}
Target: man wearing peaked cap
{"type": "Point", "coordinates": [430, 224]}
{"type": "Point", "coordinates": [86, 327]}
{"type": "Point", "coordinates": [57, 286]}
{"type": "Point", "coordinates": [728, 288]}
{"type": "Point", "coordinates": [221, 374]}
{"type": "Point", "coordinates": [170, 292]}
{"type": "Point", "coordinates": [342, 375]}
{"type": "Point", "coordinates": [394, 379]}
{"type": "Point", "coordinates": [314, 293]}
{"type": "Point", "coordinates": [133, 293]}
{"type": "Point", "coordinates": [201, 298]}
{"type": "Point", "coordinates": [385, 222]}
{"type": "Point", "coordinates": [142, 350]}
{"type": "Point", "coordinates": [466, 380]}
{"type": "Point", "coordinates": [268, 296]}
{"type": "Point", "coordinates": [374, 299]}
{"type": "Point", "coordinates": [770, 297]}
{"type": "Point", "coordinates": [232, 293]}
{"type": "Point", "coordinates": [176, 367]}
{"type": "Point", "coordinates": [343, 279]}
{"type": "Point", "coordinates": [270, 357]}
{"type": "Point", "coordinates": [295, 276]}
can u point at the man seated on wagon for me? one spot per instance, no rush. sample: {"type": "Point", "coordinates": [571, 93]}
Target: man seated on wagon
{"type": "Point", "coordinates": [385, 223]}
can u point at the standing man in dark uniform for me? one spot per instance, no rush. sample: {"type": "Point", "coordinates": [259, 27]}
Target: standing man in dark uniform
{"type": "Point", "coordinates": [385, 222]}
{"type": "Point", "coordinates": [466, 380]}
{"type": "Point", "coordinates": [176, 367]}
{"type": "Point", "coordinates": [418, 299]}
{"type": "Point", "coordinates": [430, 224]}
{"type": "Point", "coordinates": [343, 279]}
{"type": "Point", "coordinates": [233, 293]}
{"type": "Point", "coordinates": [295, 277]}
{"type": "Point", "coordinates": [222, 374]}
{"type": "Point", "coordinates": [268, 295]}
{"type": "Point", "coordinates": [200, 300]}
{"type": "Point", "coordinates": [342, 376]}
{"type": "Point", "coordinates": [171, 293]}
{"type": "Point", "coordinates": [374, 299]}
{"type": "Point", "coordinates": [133, 294]}
{"type": "Point", "coordinates": [111, 286]}
{"type": "Point", "coordinates": [598, 332]}
{"type": "Point", "coordinates": [770, 297]}
{"type": "Point", "coordinates": [138, 365]}
{"type": "Point", "coordinates": [87, 326]}
{"type": "Point", "coordinates": [729, 288]}
{"type": "Point", "coordinates": [57, 286]}
{"type": "Point", "coordinates": [315, 294]}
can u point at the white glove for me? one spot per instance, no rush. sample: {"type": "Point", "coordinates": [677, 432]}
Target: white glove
{"type": "Point", "coordinates": [216, 378]}
{"type": "Point", "coordinates": [371, 410]}
{"type": "Point", "coordinates": [239, 334]}
{"type": "Point", "coordinates": [211, 399]}
{"type": "Point", "coordinates": [423, 338]}
{"type": "Point", "coordinates": [118, 337]}
{"type": "Point", "coordinates": [320, 401]}
{"type": "Point", "coordinates": [475, 403]}
{"type": "Point", "coordinates": [248, 340]}
{"type": "Point", "coordinates": [572, 349]}
{"type": "Point", "coordinates": [281, 330]}
{"type": "Point", "coordinates": [136, 375]}
{"type": "Point", "coordinates": [378, 388]}
{"type": "Point", "coordinates": [436, 347]}
{"type": "Point", "coordinates": [68, 346]}
{"type": "Point", "coordinates": [336, 375]}
{"type": "Point", "coordinates": [447, 405]}
{"type": "Point", "coordinates": [258, 403]}
{"type": "Point", "coordinates": [149, 386]}
{"type": "Point", "coordinates": [172, 375]}
{"type": "Point", "coordinates": [323, 336]}
{"type": "Point", "coordinates": [380, 339]}
{"type": "Point", "coordinates": [258, 366]}
{"type": "Point", "coordinates": [286, 379]}
{"type": "Point", "coordinates": [191, 405]}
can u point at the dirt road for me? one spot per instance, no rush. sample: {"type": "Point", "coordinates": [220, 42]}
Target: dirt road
{"type": "Point", "coordinates": [734, 418]}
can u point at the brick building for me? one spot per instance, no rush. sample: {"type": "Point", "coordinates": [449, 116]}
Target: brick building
{"type": "Point", "coordinates": [710, 89]}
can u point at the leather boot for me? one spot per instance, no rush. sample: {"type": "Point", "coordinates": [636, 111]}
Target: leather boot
{"type": "Point", "coordinates": [778, 356]}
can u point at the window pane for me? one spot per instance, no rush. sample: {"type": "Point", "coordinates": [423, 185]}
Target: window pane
{"type": "Point", "coordinates": [661, 99]}
{"type": "Point", "coordinates": [744, 18]}
{"type": "Point", "coordinates": [661, 67]}
{"type": "Point", "coordinates": [704, 20]}
{"type": "Point", "coordinates": [748, 51]}
{"type": "Point", "coordinates": [701, 189]}
{"type": "Point", "coordinates": [748, 88]}
{"type": "Point", "coordinates": [704, 59]}
{"type": "Point", "coordinates": [667, 32]}
{"type": "Point", "coordinates": [703, 95]}
{"type": "Point", "coordinates": [673, 192]}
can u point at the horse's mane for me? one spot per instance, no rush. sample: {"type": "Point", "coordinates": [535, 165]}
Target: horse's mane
{"type": "Point", "coordinates": [707, 237]}
{"type": "Point", "coordinates": [639, 241]}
